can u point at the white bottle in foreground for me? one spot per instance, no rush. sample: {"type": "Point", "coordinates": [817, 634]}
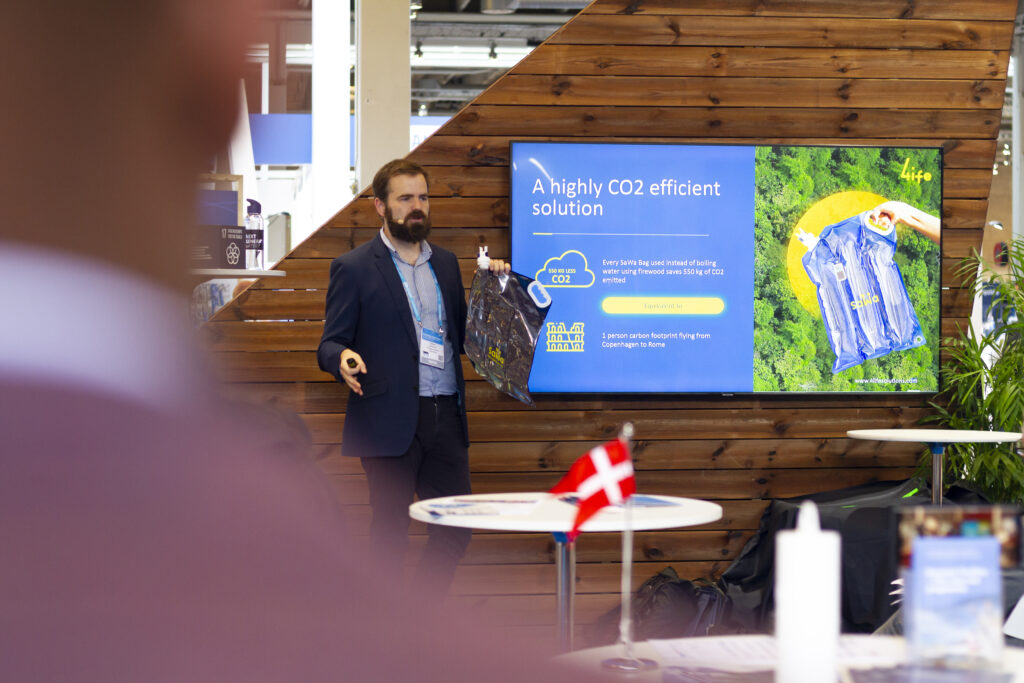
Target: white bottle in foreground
{"type": "Point", "coordinates": [807, 574]}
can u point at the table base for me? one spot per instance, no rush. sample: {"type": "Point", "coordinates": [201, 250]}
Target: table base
{"type": "Point", "coordinates": [629, 665]}
{"type": "Point", "coordinates": [938, 450]}
{"type": "Point", "coordinates": [565, 587]}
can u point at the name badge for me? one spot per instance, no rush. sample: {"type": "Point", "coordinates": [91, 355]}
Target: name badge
{"type": "Point", "coordinates": [431, 348]}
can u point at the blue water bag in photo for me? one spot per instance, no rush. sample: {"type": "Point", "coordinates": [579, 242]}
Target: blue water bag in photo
{"type": "Point", "coordinates": [863, 300]}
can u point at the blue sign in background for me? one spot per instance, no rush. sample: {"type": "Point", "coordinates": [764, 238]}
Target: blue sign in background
{"type": "Point", "coordinates": [648, 254]}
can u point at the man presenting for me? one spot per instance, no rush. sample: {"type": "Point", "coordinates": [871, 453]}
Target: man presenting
{"type": "Point", "coordinates": [394, 329]}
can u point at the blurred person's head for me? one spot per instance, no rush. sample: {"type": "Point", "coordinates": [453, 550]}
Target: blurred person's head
{"type": "Point", "coordinates": [136, 535]}
{"type": "Point", "coordinates": [112, 108]}
{"type": "Point", "coordinates": [400, 190]}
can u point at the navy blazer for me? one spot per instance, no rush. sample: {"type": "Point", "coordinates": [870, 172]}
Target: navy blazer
{"type": "Point", "coordinates": [367, 311]}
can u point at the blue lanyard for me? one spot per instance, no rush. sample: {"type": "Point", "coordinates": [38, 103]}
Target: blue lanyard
{"type": "Point", "coordinates": [412, 299]}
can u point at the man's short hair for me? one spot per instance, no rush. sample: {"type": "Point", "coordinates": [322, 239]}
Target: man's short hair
{"type": "Point", "coordinates": [390, 170]}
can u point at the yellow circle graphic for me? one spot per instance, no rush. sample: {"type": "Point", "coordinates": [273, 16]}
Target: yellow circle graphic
{"type": "Point", "coordinates": [823, 213]}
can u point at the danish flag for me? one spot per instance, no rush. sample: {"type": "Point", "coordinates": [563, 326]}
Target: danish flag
{"type": "Point", "coordinates": [604, 476]}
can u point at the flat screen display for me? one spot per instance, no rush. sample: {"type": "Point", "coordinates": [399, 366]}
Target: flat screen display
{"type": "Point", "coordinates": [731, 269]}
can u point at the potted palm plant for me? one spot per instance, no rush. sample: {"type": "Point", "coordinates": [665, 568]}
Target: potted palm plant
{"type": "Point", "coordinates": [983, 380]}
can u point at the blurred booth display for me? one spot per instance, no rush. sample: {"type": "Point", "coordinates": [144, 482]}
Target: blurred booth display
{"type": "Point", "coordinates": [1001, 254]}
{"type": "Point", "coordinates": [219, 246]}
{"type": "Point", "coordinates": [995, 310]}
{"type": "Point", "coordinates": [208, 297]}
{"type": "Point", "coordinates": [1001, 521]}
{"type": "Point", "coordinates": [219, 241]}
{"type": "Point", "coordinates": [951, 560]}
{"type": "Point", "coordinates": [219, 199]}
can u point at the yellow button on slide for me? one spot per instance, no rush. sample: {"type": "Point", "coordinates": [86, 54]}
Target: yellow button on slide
{"type": "Point", "coordinates": [662, 305]}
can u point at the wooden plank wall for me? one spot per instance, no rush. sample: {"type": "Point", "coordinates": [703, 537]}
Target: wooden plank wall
{"type": "Point", "coordinates": [906, 72]}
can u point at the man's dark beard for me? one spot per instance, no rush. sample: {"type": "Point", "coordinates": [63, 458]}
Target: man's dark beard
{"type": "Point", "coordinates": [414, 233]}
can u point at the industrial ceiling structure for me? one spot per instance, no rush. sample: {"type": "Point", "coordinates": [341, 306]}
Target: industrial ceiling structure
{"type": "Point", "coordinates": [462, 46]}
{"type": "Point", "coordinates": [457, 47]}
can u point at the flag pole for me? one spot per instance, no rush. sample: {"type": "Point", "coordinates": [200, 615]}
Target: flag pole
{"type": "Point", "coordinates": [626, 619]}
{"type": "Point", "coordinates": [628, 663]}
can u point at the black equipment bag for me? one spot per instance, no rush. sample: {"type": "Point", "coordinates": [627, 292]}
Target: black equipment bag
{"type": "Point", "coordinates": [666, 606]}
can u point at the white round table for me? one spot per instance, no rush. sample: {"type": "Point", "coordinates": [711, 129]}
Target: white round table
{"type": "Point", "coordinates": [937, 439]}
{"type": "Point", "coordinates": [546, 512]}
{"type": "Point", "coordinates": [746, 653]}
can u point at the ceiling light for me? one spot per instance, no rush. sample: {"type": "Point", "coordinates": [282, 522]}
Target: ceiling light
{"type": "Point", "coordinates": [422, 111]}
{"type": "Point", "coordinates": [498, 6]}
{"type": "Point", "coordinates": [468, 56]}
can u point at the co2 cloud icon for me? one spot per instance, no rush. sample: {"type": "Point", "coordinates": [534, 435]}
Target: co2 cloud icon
{"type": "Point", "coordinates": [568, 270]}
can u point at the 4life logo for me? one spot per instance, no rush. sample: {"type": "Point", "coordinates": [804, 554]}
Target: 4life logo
{"type": "Point", "coordinates": [914, 174]}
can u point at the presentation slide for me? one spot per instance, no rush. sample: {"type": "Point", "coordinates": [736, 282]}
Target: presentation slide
{"type": "Point", "coordinates": [686, 268]}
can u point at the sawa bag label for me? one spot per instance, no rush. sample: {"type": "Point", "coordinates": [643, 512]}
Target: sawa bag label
{"type": "Point", "coordinates": [863, 300]}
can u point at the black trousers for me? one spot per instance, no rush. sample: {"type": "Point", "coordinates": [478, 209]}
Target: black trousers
{"type": "Point", "coordinates": [436, 464]}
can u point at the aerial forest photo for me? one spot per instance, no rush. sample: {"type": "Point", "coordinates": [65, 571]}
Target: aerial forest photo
{"type": "Point", "coordinates": [847, 269]}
